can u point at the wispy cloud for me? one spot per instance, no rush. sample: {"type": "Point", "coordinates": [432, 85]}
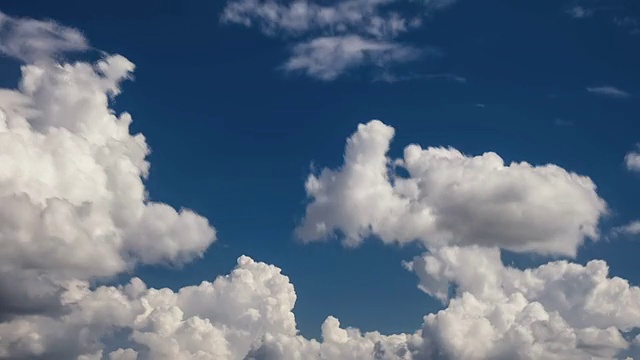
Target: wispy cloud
{"type": "Point", "coordinates": [391, 77]}
{"type": "Point", "coordinates": [610, 91]}
{"type": "Point", "coordinates": [327, 41]}
{"type": "Point", "coordinates": [632, 228]}
{"type": "Point", "coordinates": [326, 58]}
{"type": "Point", "coordinates": [579, 12]}
{"type": "Point", "coordinates": [31, 40]}
{"type": "Point", "coordinates": [562, 122]}
{"type": "Point", "coordinates": [628, 23]}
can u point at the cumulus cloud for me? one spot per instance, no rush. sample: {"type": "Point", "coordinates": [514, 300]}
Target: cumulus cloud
{"type": "Point", "coordinates": [448, 198]}
{"type": "Point", "coordinates": [558, 310]}
{"type": "Point", "coordinates": [71, 182]}
{"type": "Point", "coordinates": [30, 40]}
{"type": "Point", "coordinates": [328, 41]}
{"type": "Point", "coordinates": [609, 91]}
{"type": "Point", "coordinates": [214, 320]}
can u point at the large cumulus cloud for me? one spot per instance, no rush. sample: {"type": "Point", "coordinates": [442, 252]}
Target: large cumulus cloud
{"type": "Point", "coordinates": [73, 204]}
{"type": "Point", "coordinates": [214, 320]}
{"type": "Point", "coordinates": [449, 198]}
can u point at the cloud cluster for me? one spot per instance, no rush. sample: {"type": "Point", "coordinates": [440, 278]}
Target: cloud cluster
{"type": "Point", "coordinates": [74, 209]}
{"type": "Point", "coordinates": [449, 198]}
{"type": "Point", "coordinates": [559, 310]}
{"type": "Point", "coordinates": [214, 320]}
{"type": "Point", "coordinates": [331, 39]}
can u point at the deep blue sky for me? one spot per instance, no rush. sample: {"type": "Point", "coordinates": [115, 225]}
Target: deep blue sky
{"type": "Point", "coordinates": [233, 138]}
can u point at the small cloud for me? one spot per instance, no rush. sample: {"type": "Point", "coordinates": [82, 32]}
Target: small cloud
{"type": "Point", "coordinates": [480, 105]}
{"type": "Point", "coordinates": [562, 122]}
{"type": "Point", "coordinates": [609, 91]}
{"type": "Point", "coordinates": [632, 228]}
{"type": "Point", "coordinates": [579, 12]}
{"type": "Point", "coordinates": [31, 40]}
{"type": "Point", "coordinates": [632, 160]}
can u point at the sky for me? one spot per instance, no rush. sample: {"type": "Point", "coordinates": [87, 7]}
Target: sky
{"type": "Point", "coordinates": [308, 179]}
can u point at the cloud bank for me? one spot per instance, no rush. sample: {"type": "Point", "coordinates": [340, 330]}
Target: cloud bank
{"type": "Point", "coordinates": [74, 209]}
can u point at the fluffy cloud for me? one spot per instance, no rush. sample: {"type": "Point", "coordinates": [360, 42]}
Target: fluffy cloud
{"type": "Point", "coordinates": [71, 181]}
{"type": "Point", "coordinates": [558, 310]}
{"type": "Point", "coordinates": [449, 198]}
{"type": "Point", "coordinates": [214, 320]}
{"type": "Point", "coordinates": [330, 40]}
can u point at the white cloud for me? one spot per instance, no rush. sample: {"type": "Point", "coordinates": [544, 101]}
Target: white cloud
{"type": "Point", "coordinates": [30, 40]}
{"type": "Point", "coordinates": [632, 228]}
{"type": "Point", "coordinates": [330, 40]}
{"type": "Point", "coordinates": [449, 198]}
{"type": "Point", "coordinates": [214, 320]}
{"type": "Point", "coordinates": [632, 161]}
{"type": "Point", "coordinates": [300, 17]}
{"type": "Point", "coordinates": [326, 58]}
{"type": "Point", "coordinates": [71, 181]}
{"type": "Point", "coordinates": [557, 311]}
{"type": "Point", "coordinates": [609, 91]}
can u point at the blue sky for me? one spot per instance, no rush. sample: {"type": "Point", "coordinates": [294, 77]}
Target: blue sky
{"type": "Point", "coordinates": [234, 131]}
